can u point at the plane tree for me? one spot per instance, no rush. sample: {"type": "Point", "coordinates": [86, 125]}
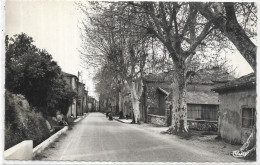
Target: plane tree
{"type": "Point", "coordinates": [236, 21]}
{"type": "Point", "coordinates": [108, 40]}
{"type": "Point", "coordinates": [187, 29]}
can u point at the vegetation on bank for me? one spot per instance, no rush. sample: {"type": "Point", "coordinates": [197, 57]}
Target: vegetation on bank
{"type": "Point", "coordinates": [22, 122]}
{"type": "Point", "coordinates": [35, 90]}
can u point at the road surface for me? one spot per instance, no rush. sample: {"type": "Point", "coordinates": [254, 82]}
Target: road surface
{"type": "Point", "coordinates": [95, 138]}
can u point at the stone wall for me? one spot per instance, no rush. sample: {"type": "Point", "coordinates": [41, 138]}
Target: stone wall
{"type": "Point", "coordinates": [153, 97]}
{"type": "Point", "coordinates": [157, 120]}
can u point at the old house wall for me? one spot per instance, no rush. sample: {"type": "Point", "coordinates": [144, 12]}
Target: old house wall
{"type": "Point", "coordinates": [199, 87]}
{"type": "Point", "coordinates": [72, 109]}
{"type": "Point", "coordinates": [68, 81]}
{"type": "Point", "coordinates": [196, 87]}
{"type": "Point", "coordinates": [71, 83]}
{"type": "Point", "coordinates": [80, 91]}
{"type": "Point", "coordinates": [152, 98]}
{"type": "Point", "coordinates": [127, 108]}
{"type": "Point", "coordinates": [153, 95]}
{"type": "Point", "coordinates": [85, 110]}
{"type": "Point", "coordinates": [230, 117]}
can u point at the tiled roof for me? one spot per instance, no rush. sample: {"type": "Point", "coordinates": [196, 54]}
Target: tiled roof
{"type": "Point", "coordinates": [68, 74]}
{"type": "Point", "coordinates": [163, 91]}
{"type": "Point", "coordinates": [210, 76]}
{"type": "Point", "coordinates": [204, 76]}
{"type": "Point", "coordinates": [198, 97]}
{"type": "Point", "coordinates": [161, 77]}
{"type": "Point", "coordinates": [242, 82]}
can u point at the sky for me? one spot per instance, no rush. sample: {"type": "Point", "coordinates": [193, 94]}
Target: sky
{"type": "Point", "coordinates": [54, 26]}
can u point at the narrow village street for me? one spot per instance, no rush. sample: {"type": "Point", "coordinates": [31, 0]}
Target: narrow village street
{"type": "Point", "coordinates": [95, 138]}
{"type": "Point", "coordinates": [129, 81]}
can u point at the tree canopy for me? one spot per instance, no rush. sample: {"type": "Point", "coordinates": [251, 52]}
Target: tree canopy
{"type": "Point", "coordinates": [187, 32]}
{"type": "Point", "coordinates": [32, 72]}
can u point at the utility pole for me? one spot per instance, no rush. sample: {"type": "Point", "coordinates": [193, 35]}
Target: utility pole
{"type": "Point", "coordinates": [77, 96]}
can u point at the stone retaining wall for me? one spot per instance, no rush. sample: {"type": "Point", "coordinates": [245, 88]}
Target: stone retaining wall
{"type": "Point", "coordinates": [157, 120]}
{"type": "Point", "coordinates": [38, 149]}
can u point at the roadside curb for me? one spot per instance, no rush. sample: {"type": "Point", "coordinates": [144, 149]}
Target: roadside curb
{"type": "Point", "coordinates": [120, 121]}
{"type": "Point", "coordinates": [39, 148]}
{"type": "Point", "coordinates": [81, 118]}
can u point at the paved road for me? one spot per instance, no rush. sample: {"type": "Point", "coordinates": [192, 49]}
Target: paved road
{"type": "Point", "coordinates": [95, 138]}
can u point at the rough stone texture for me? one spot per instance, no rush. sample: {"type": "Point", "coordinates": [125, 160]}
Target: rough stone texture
{"type": "Point", "coordinates": [22, 122]}
{"type": "Point", "coordinates": [157, 120]}
{"type": "Point", "coordinates": [202, 125]}
{"type": "Point", "coordinates": [230, 118]}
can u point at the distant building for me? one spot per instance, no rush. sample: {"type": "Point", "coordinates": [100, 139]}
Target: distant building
{"type": "Point", "coordinates": [78, 108]}
{"type": "Point", "coordinates": [71, 81]}
{"type": "Point", "coordinates": [85, 107]}
{"type": "Point", "coordinates": [237, 105]}
{"type": "Point", "coordinates": [92, 104]}
{"type": "Point", "coordinates": [81, 88]}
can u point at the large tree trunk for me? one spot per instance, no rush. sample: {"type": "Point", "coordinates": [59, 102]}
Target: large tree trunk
{"type": "Point", "coordinates": [135, 97]}
{"type": "Point", "coordinates": [179, 110]}
{"type": "Point", "coordinates": [136, 110]}
{"type": "Point", "coordinates": [120, 102]}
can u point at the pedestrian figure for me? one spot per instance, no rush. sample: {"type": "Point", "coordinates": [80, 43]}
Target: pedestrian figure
{"type": "Point", "coordinates": [110, 116]}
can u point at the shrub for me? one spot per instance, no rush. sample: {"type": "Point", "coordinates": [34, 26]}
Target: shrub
{"type": "Point", "coordinates": [22, 122]}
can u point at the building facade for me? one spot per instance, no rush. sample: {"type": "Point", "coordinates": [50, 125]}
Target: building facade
{"type": "Point", "coordinates": [237, 105]}
{"type": "Point", "coordinates": [79, 105]}
{"type": "Point", "coordinates": [202, 103]}
{"type": "Point", "coordinates": [71, 82]}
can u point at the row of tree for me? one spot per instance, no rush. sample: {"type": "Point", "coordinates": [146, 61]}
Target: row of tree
{"type": "Point", "coordinates": [128, 38]}
{"type": "Point", "coordinates": [31, 71]}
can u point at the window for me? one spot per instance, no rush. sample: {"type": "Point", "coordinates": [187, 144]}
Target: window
{"type": "Point", "coordinates": [248, 117]}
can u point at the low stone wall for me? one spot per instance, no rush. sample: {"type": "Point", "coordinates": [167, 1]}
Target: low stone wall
{"type": "Point", "coordinates": [157, 120]}
{"type": "Point", "coordinates": [21, 151]}
{"type": "Point", "coordinates": [203, 125]}
{"type": "Point", "coordinates": [38, 149]}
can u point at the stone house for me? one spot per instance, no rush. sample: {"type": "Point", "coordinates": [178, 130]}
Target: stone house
{"type": "Point", "coordinates": [92, 104]}
{"type": "Point", "coordinates": [71, 82]}
{"type": "Point", "coordinates": [237, 105]}
{"type": "Point", "coordinates": [81, 89]}
{"type": "Point", "coordinates": [202, 103]}
{"type": "Point", "coordinates": [77, 107]}
{"type": "Point", "coordinates": [85, 97]}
